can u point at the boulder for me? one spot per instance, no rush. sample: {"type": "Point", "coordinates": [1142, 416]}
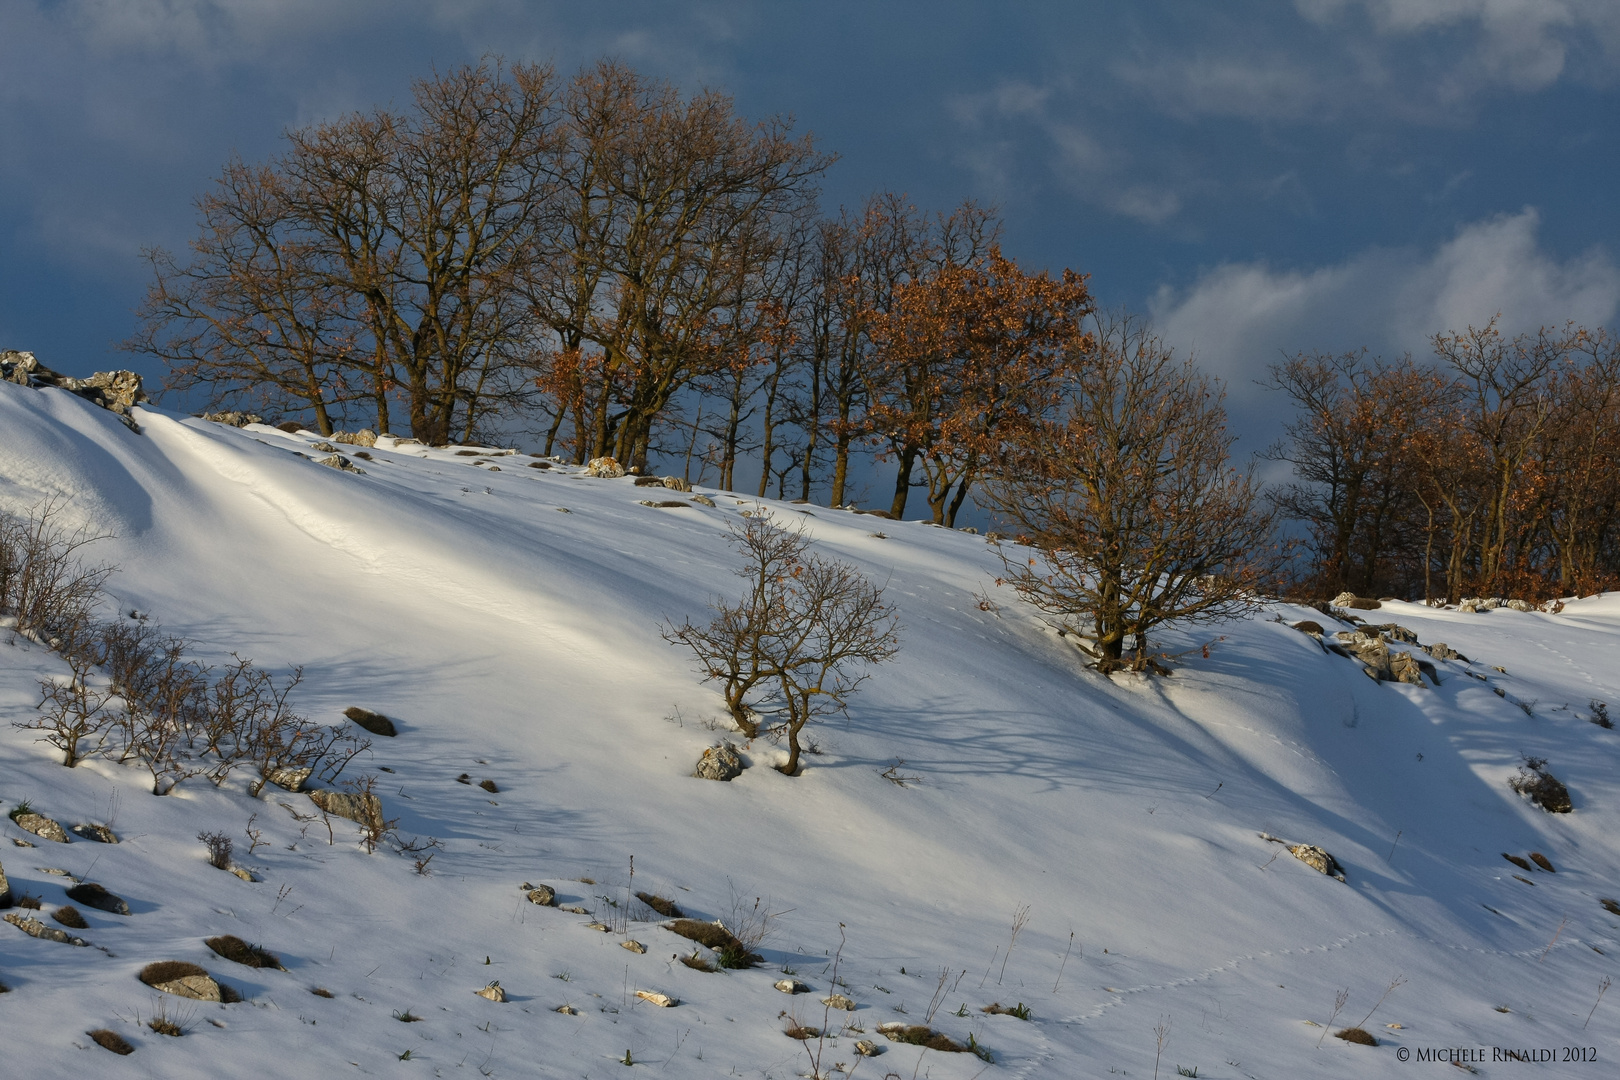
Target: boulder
{"type": "Point", "coordinates": [41, 826]}
{"type": "Point", "coordinates": [92, 895]}
{"type": "Point", "coordinates": [196, 987]}
{"type": "Point", "coordinates": [839, 1001]}
{"type": "Point", "coordinates": [16, 367]}
{"type": "Point", "coordinates": [1351, 600]}
{"type": "Point", "coordinates": [1370, 649]}
{"type": "Point", "coordinates": [374, 722]}
{"type": "Point", "coordinates": [34, 928]}
{"type": "Point", "coordinates": [1309, 626]}
{"type": "Point", "coordinates": [543, 895]}
{"type": "Point", "coordinates": [867, 1048]}
{"type": "Point", "coordinates": [1441, 651]}
{"type": "Point", "coordinates": [98, 833]}
{"type": "Point", "coordinates": [791, 986]}
{"type": "Point", "coordinates": [341, 464]}
{"type": "Point", "coordinates": [604, 467]}
{"type": "Point", "coordinates": [361, 807]}
{"type": "Point", "coordinates": [1521, 605]}
{"type": "Point", "coordinates": [1317, 859]}
{"type": "Point", "coordinates": [363, 437]}
{"type": "Point", "coordinates": [492, 992]}
{"type": "Point", "coordinates": [634, 946]}
{"type": "Point", "coordinates": [290, 779]}
{"type": "Point", "coordinates": [1394, 632]}
{"type": "Point", "coordinates": [675, 483]}
{"type": "Point", "coordinates": [721, 762]}
{"type": "Point", "coordinates": [1404, 667]}
{"type": "Point", "coordinates": [232, 419]}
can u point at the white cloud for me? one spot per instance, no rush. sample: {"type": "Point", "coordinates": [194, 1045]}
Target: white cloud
{"type": "Point", "coordinates": [1239, 318]}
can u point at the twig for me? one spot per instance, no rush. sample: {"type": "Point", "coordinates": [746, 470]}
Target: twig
{"type": "Point", "coordinates": [1393, 983]}
{"type": "Point", "coordinates": [1555, 936]}
{"type": "Point", "coordinates": [1603, 988]}
{"type": "Point", "coordinates": [1391, 854]}
{"type": "Point", "coordinates": [1020, 917]}
{"type": "Point", "coordinates": [990, 965]}
{"type": "Point", "coordinates": [1065, 961]}
{"type": "Point", "coordinates": [1339, 1000]}
{"type": "Point", "coordinates": [1161, 1031]}
{"type": "Point", "coordinates": [1218, 787]}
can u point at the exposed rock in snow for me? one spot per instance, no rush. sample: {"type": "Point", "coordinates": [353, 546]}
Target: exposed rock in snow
{"type": "Point", "coordinates": [116, 391]}
{"type": "Point", "coordinates": [1441, 651]}
{"type": "Point", "coordinates": [41, 826]}
{"type": "Point", "coordinates": [34, 928]}
{"type": "Point", "coordinates": [544, 895]}
{"type": "Point", "coordinates": [492, 992]}
{"type": "Point", "coordinates": [290, 779]}
{"type": "Point", "coordinates": [839, 1001]}
{"type": "Point", "coordinates": [663, 1001]}
{"type": "Point", "coordinates": [363, 808]}
{"type": "Point", "coordinates": [703, 499]}
{"type": "Point", "coordinates": [363, 437]}
{"type": "Point", "coordinates": [231, 418]}
{"type": "Point", "coordinates": [340, 463]}
{"type": "Point", "coordinates": [374, 722]}
{"type": "Point", "coordinates": [1404, 667]}
{"type": "Point", "coordinates": [99, 833]}
{"type": "Point", "coordinates": [5, 889]}
{"type": "Point", "coordinates": [675, 483]}
{"type": "Point", "coordinates": [721, 762]}
{"type": "Point", "coordinates": [1521, 605]}
{"type": "Point", "coordinates": [634, 946]}
{"type": "Point", "coordinates": [1317, 859]}
{"type": "Point", "coordinates": [604, 467]}
{"type": "Point", "coordinates": [791, 986]}
{"type": "Point", "coordinates": [93, 895]}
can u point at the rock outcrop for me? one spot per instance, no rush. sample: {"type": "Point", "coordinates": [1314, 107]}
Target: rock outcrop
{"type": "Point", "coordinates": [116, 391]}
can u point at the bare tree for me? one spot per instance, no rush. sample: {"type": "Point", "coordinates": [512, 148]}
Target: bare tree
{"type": "Point", "coordinates": [798, 644]}
{"type": "Point", "coordinates": [1132, 514]}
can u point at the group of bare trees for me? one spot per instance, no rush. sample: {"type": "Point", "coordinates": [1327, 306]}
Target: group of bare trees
{"type": "Point", "coordinates": [1494, 470]}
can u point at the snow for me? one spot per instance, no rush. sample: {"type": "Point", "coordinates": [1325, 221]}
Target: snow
{"type": "Point", "coordinates": [513, 642]}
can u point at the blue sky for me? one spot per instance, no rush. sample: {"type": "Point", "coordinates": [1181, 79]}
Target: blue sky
{"type": "Point", "coordinates": [1260, 177]}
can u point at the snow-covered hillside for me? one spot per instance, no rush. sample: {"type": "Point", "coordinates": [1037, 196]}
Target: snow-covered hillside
{"type": "Point", "coordinates": [515, 642]}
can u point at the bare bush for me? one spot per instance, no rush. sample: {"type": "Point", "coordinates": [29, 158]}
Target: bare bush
{"type": "Point", "coordinates": [44, 581]}
{"type": "Point", "coordinates": [796, 646]}
{"type": "Point", "coordinates": [74, 715]}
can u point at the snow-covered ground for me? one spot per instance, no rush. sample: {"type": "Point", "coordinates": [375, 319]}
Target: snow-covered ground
{"type": "Point", "coordinates": [517, 643]}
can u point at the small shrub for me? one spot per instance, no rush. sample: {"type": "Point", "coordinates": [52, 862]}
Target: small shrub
{"type": "Point", "coordinates": [1541, 787]}
{"type": "Point", "coordinates": [922, 1035]}
{"type": "Point", "coordinates": [219, 847]}
{"type": "Point", "coordinates": [800, 1032]}
{"type": "Point", "coordinates": [1355, 1035]}
{"type": "Point", "coordinates": [165, 971]}
{"type": "Point", "coordinates": [238, 951]}
{"type": "Point", "coordinates": [320, 991]}
{"type": "Point", "coordinates": [24, 807]}
{"type": "Point", "coordinates": [1021, 1011]}
{"type": "Point", "coordinates": [1600, 714]}
{"type": "Point", "coordinates": [28, 900]}
{"type": "Point", "coordinates": [162, 1023]}
{"type": "Point", "coordinates": [291, 427]}
{"type": "Point", "coordinates": [661, 904]}
{"type": "Point", "coordinates": [110, 1040]}
{"type": "Point", "coordinates": [490, 786]}
{"type": "Point", "coordinates": [406, 1017]}
{"type": "Point", "coordinates": [69, 916]}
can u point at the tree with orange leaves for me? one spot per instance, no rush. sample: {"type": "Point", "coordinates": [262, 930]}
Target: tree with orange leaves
{"type": "Point", "coordinates": [964, 359]}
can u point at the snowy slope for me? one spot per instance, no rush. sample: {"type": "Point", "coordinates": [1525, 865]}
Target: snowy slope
{"type": "Point", "coordinates": [517, 643]}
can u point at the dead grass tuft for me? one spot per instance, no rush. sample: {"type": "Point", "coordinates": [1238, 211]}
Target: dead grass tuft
{"type": "Point", "coordinates": [922, 1035]}
{"type": "Point", "coordinates": [1355, 1035]}
{"type": "Point", "coordinates": [320, 991]}
{"type": "Point", "coordinates": [163, 971]}
{"type": "Point", "coordinates": [733, 953]}
{"type": "Point", "coordinates": [238, 951]}
{"type": "Point", "coordinates": [110, 1040]}
{"type": "Point", "coordinates": [69, 916]}
{"type": "Point", "coordinates": [661, 904]}
{"type": "Point", "coordinates": [800, 1032]}
{"type": "Point", "coordinates": [697, 963]}
{"type": "Point", "coordinates": [490, 786]}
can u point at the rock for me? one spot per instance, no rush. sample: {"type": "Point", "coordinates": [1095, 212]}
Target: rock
{"type": "Point", "coordinates": [1404, 667]}
{"type": "Point", "coordinates": [663, 1001]}
{"type": "Point", "coordinates": [290, 779]}
{"type": "Point", "coordinates": [232, 419]}
{"type": "Point", "coordinates": [5, 889]}
{"type": "Point", "coordinates": [195, 987]}
{"type": "Point", "coordinates": [1521, 605]}
{"type": "Point", "coordinates": [374, 722]}
{"type": "Point", "coordinates": [1542, 861]}
{"type": "Point", "coordinates": [98, 833]}
{"type": "Point", "coordinates": [719, 763]}
{"type": "Point", "coordinates": [341, 464]}
{"type": "Point", "coordinates": [675, 483]}
{"type": "Point", "coordinates": [791, 986]}
{"type": "Point", "coordinates": [1394, 632]}
{"type": "Point", "coordinates": [634, 946]}
{"type": "Point", "coordinates": [543, 895]}
{"type": "Point", "coordinates": [604, 467]}
{"type": "Point", "coordinates": [839, 1001]}
{"type": "Point", "coordinates": [575, 909]}
{"type": "Point", "coordinates": [116, 391]}
{"type": "Point", "coordinates": [703, 499]}
{"type": "Point", "coordinates": [1516, 861]}
{"type": "Point", "coordinates": [323, 447]}
{"type": "Point", "coordinates": [867, 1048]}
{"type": "Point", "coordinates": [41, 826]}
{"type": "Point", "coordinates": [363, 437]}
{"type": "Point", "coordinates": [362, 808]}
{"type": "Point", "coordinates": [90, 894]}
{"type": "Point", "coordinates": [34, 928]}
{"type": "Point", "coordinates": [16, 367]}
{"type": "Point", "coordinates": [1441, 651]}
{"type": "Point", "coordinates": [568, 1010]}
{"type": "Point", "coordinates": [1476, 604]}
{"type": "Point", "coordinates": [1317, 859]}
{"type": "Point", "coordinates": [19, 842]}
{"type": "Point", "coordinates": [245, 875]}
{"type": "Point", "coordinates": [490, 786]}
{"type": "Point", "coordinates": [1308, 626]}
{"type": "Point", "coordinates": [492, 992]}
{"type": "Point", "coordinates": [603, 927]}
{"type": "Point", "coordinates": [1370, 649]}
{"type": "Point", "coordinates": [1359, 603]}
